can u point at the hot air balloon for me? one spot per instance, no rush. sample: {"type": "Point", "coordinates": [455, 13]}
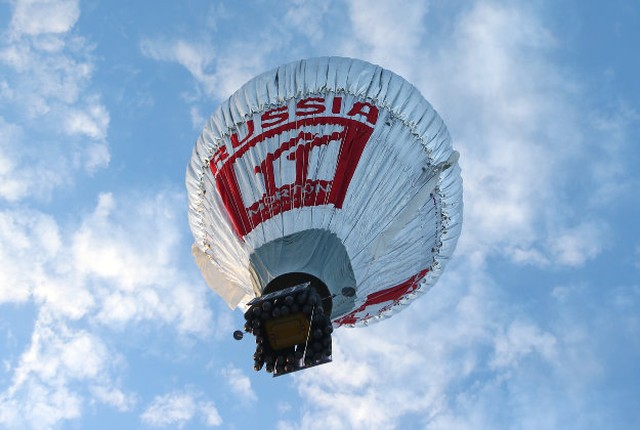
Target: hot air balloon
{"type": "Point", "coordinates": [324, 193]}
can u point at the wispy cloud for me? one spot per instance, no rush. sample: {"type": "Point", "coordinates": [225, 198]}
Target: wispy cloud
{"type": "Point", "coordinates": [196, 57]}
{"type": "Point", "coordinates": [114, 269]}
{"type": "Point", "coordinates": [574, 246]}
{"type": "Point", "coordinates": [308, 18]}
{"type": "Point", "coordinates": [128, 253]}
{"type": "Point", "coordinates": [376, 37]}
{"type": "Point", "coordinates": [45, 87]}
{"type": "Point", "coordinates": [30, 240]}
{"type": "Point", "coordinates": [218, 71]}
{"type": "Point", "coordinates": [35, 17]}
{"type": "Point", "coordinates": [239, 383]}
{"type": "Point", "coordinates": [114, 397]}
{"type": "Point", "coordinates": [43, 390]}
{"type": "Point", "coordinates": [116, 265]}
{"type": "Point", "coordinates": [177, 408]}
{"type": "Point", "coordinates": [496, 65]}
{"type": "Point", "coordinates": [92, 122]}
{"type": "Point", "coordinates": [173, 409]}
{"type": "Point", "coordinates": [92, 275]}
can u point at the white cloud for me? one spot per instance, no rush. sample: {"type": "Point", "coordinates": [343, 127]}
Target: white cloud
{"type": "Point", "coordinates": [522, 339]}
{"type": "Point", "coordinates": [41, 408]}
{"type": "Point", "coordinates": [115, 397]}
{"type": "Point", "coordinates": [610, 149]}
{"type": "Point", "coordinates": [239, 383]}
{"type": "Point", "coordinates": [505, 129]}
{"type": "Point", "coordinates": [92, 122]}
{"type": "Point", "coordinates": [242, 60]}
{"type": "Point", "coordinates": [23, 172]}
{"type": "Point", "coordinates": [129, 251]}
{"type": "Point", "coordinates": [308, 18]}
{"type": "Point", "coordinates": [116, 268]}
{"type": "Point", "coordinates": [13, 181]}
{"type": "Point", "coordinates": [95, 156]}
{"type": "Point", "coordinates": [173, 409]}
{"type": "Point", "coordinates": [29, 241]}
{"type": "Point", "coordinates": [42, 392]}
{"type": "Point", "coordinates": [197, 58]}
{"type": "Point", "coordinates": [571, 247]}
{"type": "Point", "coordinates": [386, 34]}
{"type": "Point", "coordinates": [177, 408]}
{"type": "Point", "coordinates": [523, 255]}
{"type": "Point", "coordinates": [119, 263]}
{"type": "Point", "coordinates": [34, 17]}
{"type": "Point", "coordinates": [218, 70]}
{"type": "Point", "coordinates": [574, 246]}
{"type": "Point", "coordinates": [35, 264]}
{"type": "Point", "coordinates": [284, 407]}
{"type": "Point", "coordinates": [210, 414]}
{"type": "Point", "coordinates": [40, 81]}
{"type": "Point", "coordinates": [197, 119]}
{"type": "Point", "coordinates": [46, 88]}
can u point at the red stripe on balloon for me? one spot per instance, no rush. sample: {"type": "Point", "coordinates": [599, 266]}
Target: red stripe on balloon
{"type": "Point", "coordinates": [392, 296]}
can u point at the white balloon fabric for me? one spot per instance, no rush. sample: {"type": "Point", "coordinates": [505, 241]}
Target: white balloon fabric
{"type": "Point", "coordinates": [331, 167]}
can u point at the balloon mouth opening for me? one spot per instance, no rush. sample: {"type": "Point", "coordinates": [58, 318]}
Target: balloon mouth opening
{"type": "Point", "coordinates": [291, 279]}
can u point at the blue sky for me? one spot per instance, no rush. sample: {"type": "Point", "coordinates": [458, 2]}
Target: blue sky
{"type": "Point", "coordinates": [105, 321]}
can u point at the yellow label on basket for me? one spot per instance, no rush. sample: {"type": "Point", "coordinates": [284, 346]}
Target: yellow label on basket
{"type": "Point", "coordinates": [287, 331]}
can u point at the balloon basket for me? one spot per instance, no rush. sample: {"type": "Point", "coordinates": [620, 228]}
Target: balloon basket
{"type": "Point", "coordinates": [291, 330]}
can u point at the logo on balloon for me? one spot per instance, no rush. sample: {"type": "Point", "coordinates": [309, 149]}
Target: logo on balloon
{"type": "Point", "coordinates": [305, 153]}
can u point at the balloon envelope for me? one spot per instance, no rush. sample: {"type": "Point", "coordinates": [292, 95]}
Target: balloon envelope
{"type": "Point", "coordinates": [331, 171]}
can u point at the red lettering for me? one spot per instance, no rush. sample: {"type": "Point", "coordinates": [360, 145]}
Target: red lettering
{"type": "Point", "coordinates": [337, 105]}
{"type": "Point", "coordinates": [301, 154]}
{"type": "Point", "coordinates": [350, 132]}
{"type": "Point", "coordinates": [274, 116]}
{"type": "Point", "coordinates": [234, 137]}
{"type": "Point", "coordinates": [371, 113]}
{"type": "Point", "coordinates": [220, 155]}
{"type": "Point", "coordinates": [266, 169]}
{"type": "Point", "coordinates": [310, 106]}
{"type": "Point", "coordinates": [229, 190]}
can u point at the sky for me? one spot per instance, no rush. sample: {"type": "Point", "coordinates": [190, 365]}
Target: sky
{"type": "Point", "coordinates": [105, 321]}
